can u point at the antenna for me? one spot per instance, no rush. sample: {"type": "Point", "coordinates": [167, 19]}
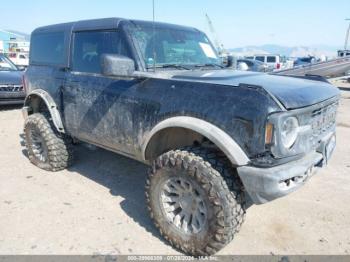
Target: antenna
{"type": "Point", "coordinates": [153, 39]}
{"type": "Point", "coordinates": [347, 35]}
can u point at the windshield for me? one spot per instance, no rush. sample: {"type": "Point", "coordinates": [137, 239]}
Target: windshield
{"type": "Point", "coordinates": [6, 64]}
{"type": "Point", "coordinates": [171, 46]}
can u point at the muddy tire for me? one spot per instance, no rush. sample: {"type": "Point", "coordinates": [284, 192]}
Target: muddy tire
{"type": "Point", "coordinates": [195, 199]}
{"type": "Point", "coordinates": [46, 148]}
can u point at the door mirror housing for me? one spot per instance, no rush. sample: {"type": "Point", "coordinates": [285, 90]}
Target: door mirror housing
{"type": "Point", "coordinates": [230, 61]}
{"type": "Point", "coordinates": [117, 65]}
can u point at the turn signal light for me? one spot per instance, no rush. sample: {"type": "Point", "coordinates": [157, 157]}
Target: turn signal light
{"type": "Point", "coordinates": [268, 133]}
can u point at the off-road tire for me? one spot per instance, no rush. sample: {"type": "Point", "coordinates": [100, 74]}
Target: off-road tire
{"type": "Point", "coordinates": [58, 146]}
{"type": "Point", "coordinates": [224, 196]}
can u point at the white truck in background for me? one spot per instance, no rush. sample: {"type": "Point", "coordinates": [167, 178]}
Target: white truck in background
{"type": "Point", "coordinates": [19, 59]}
{"type": "Point", "coordinates": [274, 62]}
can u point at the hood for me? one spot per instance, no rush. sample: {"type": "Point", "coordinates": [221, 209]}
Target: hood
{"type": "Point", "coordinates": [11, 77]}
{"type": "Point", "coordinates": [291, 92]}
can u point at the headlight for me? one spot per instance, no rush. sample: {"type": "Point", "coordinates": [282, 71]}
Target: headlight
{"type": "Point", "coordinates": [289, 131]}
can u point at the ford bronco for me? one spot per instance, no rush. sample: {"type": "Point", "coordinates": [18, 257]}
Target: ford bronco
{"type": "Point", "coordinates": [158, 93]}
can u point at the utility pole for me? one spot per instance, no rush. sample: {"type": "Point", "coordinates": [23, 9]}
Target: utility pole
{"type": "Point", "coordinates": [347, 35]}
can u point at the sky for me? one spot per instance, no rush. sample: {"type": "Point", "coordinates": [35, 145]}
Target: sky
{"type": "Point", "coordinates": [237, 23]}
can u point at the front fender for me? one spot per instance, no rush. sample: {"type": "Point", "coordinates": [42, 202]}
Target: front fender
{"type": "Point", "coordinates": [220, 138]}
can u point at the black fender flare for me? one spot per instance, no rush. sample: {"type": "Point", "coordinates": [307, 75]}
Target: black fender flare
{"type": "Point", "coordinates": [51, 105]}
{"type": "Point", "coordinates": [216, 135]}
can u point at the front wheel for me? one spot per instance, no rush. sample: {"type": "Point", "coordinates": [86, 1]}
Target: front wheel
{"type": "Point", "coordinates": [195, 199]}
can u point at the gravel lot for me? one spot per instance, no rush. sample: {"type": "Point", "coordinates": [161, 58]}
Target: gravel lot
{"type": "Point", "coordinates": [97, 206]}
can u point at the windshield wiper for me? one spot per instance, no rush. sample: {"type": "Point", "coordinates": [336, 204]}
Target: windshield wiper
{"type": "Point", "coordinates": [210, 65]}
{"type": "Point", "coordinates": [176, 66]}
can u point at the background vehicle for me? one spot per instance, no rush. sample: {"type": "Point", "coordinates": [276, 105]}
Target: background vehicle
{"type": "Point", "coordinates": [11, 88]}
{"type": "Point", "coordinates": [157, 93]}
{"type": "Point", "coordinates": [253, 65]}
{"type": "Point", "coordinates": [305, 60]}
{"type": "Point", "coordinates": [342, 53]}
{"type": "Point", "coordinates": [19, 59]}
{"type": "Point", "coordinates": [272, 61]}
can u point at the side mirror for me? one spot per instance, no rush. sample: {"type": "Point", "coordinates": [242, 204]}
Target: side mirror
{"type": "Point", "coordinates": [229, 61]}
{"type": "Point", "coordinates": [21, 68]}
{"type": "Point", "coordinates": [117, 65]}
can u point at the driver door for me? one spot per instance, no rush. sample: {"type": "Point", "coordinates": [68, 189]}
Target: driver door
{"type": "Point", "coordinates": [96, 107]}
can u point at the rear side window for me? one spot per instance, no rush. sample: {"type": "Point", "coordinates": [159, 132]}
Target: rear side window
{"type": "Point", "coordinates": [260, 58]}
{"type": "Point", "coordinates": [90, 45]}
{"type": "Point", "coordinates": [271, 59]}
{"type": "Point", "coordinates": [249, 63]}
{"type": "Point", "coordinates": [47, 48]}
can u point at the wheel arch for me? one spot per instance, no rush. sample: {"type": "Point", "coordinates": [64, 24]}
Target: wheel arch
{"type": "Point", "coordinates": [34, 101]}
{"type": "Point", "coordinates": [178, 126]}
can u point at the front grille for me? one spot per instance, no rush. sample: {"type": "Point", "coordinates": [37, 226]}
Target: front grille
{"type": "Point", "coordinates": [322, 120]}
{"type": "Point", "coordinates": [11, 88]}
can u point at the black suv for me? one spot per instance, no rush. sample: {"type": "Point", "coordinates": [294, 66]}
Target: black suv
{"type": "Point", "coordinates": [158, 93]}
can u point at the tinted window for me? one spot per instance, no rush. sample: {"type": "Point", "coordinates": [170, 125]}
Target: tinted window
{"type": "Point", "coordinates": [6, 64]}
{"type": "Point", "coordinates": [271, 59]}
{"type": "Point", "coordinates": [306, 59]}
{"type": "Point", "coordinates": [89, 46]}
{"type": "Point", "coordinates": [47, 48]}
{"type": "Point", "coordinates": [249, 63]}
{"type": "Point", "coordinates": [260, 58]}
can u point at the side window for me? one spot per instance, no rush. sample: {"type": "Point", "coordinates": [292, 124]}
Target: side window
{"type": "Point", "coordinates": [48, 48]}
{"type": "Point", "coordinates": [271, 59]}
{"type": "Point", "coordinates": [90, 45]}
{"type": "Point", "coordinates": [249, 63]}
{"type": "Point", "coordinates": [260, 58]}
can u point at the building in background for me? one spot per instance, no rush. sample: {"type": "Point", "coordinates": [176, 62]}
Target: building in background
{"type": "Point", "coordinates": [11, 41]}
{"type": "Point", "coordinates": [15, 46]}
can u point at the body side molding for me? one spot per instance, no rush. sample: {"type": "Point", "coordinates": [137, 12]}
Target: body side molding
{"type": "Point", "coordinates": [221, 139]}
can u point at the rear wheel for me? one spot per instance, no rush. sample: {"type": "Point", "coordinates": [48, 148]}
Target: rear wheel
{"type": "Point", "coordinates": [195, 199]}
{"type": "Point", "coordinates": [46, 148]}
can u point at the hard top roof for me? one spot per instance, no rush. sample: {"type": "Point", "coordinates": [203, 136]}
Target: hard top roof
{"type": "Point", "coordinates": [105, 23]}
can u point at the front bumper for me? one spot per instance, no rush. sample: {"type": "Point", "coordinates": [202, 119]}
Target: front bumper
{"type": "Point", "coordinates": [266, 184]}
{"type": "Point", "coordinates": [11, 98]}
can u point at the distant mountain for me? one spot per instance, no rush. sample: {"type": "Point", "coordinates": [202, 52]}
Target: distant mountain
{"type": "Point", "coordinates": [24, 35]}
{"type": "Point", "coordinates": [294, 51]}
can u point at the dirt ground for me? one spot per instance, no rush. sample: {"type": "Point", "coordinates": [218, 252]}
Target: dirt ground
{"type": "Point", "coordinates": [97, 206]}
